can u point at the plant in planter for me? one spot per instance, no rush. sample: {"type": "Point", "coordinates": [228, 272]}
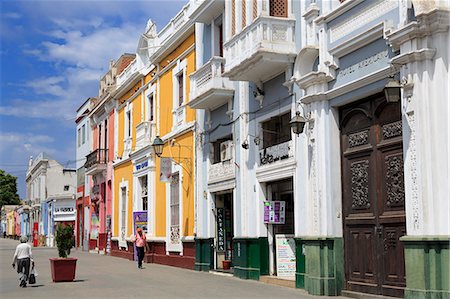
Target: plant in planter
{"type": "Point", "coordinates": [63, 268]}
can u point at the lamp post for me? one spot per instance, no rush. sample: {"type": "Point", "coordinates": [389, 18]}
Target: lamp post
{"type": "Point", "coordinates": [297, 123]}
{"type": "Point", "coordinates": [158, 145]}
{"type": "Point", "coordinates": [392, 90]}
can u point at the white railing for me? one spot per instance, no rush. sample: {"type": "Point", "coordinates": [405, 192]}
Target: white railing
{"type": "Point", "coordinates": [268, 34]}
{"type": "Point", "coordinates": [143, 134]}
{"type": "Point", "coordinates": [221, 171]}
{"type": "Point", "coordinates": [276, 153]}
{"type": "Point", "coordinates": [129, 71]}
{"type": "Point", "coordinates": [208, 77]}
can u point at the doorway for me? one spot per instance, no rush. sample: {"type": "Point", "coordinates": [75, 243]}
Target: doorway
{"type": "Point", "coordinates": [224, 230]}
{"type": "Point", "coordinates": [281, 230]}
{"type": "Point", "coordinates": [373, 196]}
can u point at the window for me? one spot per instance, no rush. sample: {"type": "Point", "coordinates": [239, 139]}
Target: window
{"type": "Point", "coordinates": [221, 149]}
{"type": "Point", "coordinates": [105, 146]}
{"type": "Point", "coordinates": [279, 8]}
{"type": "Point", "coordinates": [144, 192]}
{"type": "Point", "coordinates": [175, 203]}
{"type": "Point", "coordinates": [83, 134]}
{"type": "Point", "coordinates": [123, 213]}
{"type": "Point", "coordinates": [128, 119]}
{"type": "Point", "coordinates": [276, 130]}
{"type": "Point", "coordinates": [150, 107]}
{"type": "Point", "coordinates": [180, 79]}
{"type": "Point", "coordinates": [79, 137]}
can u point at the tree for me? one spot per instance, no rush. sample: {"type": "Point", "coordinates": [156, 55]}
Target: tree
{"type": "Point", "coordinates": [8, 189]}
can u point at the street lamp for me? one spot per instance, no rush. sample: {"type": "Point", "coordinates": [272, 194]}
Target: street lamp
{"type": "Point", "coordinates": [297, 123]}
{"type": "Point", "coordinates": [392, 90]}
{"type": "Point", "coordinates": [158, 145]}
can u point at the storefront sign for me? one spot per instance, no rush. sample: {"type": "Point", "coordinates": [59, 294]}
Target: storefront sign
{"type": "Point", "coordinates": [141, 166]}
{"type": "Point", "coordinates": [274, 153]}
{"type": "Point", "coordinates": [165, 170]}
{"type": "Point", "coordinates": [379, 57]}
{"type": "Point", "coordinates": [274, 212]}
{"type": "Point", "coordinates": [220, 230]}
{"type": "Point", "coordinates": [285, 251]}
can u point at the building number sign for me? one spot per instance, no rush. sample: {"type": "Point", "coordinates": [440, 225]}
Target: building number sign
{"type": "Point", "coordinates": [220, 230]}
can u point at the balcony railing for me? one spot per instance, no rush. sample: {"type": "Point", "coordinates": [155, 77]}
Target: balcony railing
{"type": "Point", "coordinates": [129, 71]}
{"type": "Point", "coordinates": [221, 171]}
{"type": "Point", "coordinates": [209, 89]}
{"type": "Point", "coordinates": [144, 134]}
{"type": "Point", "coordinates": [97, 157]}
{"type": "Point", "coordinates": [268, 42]}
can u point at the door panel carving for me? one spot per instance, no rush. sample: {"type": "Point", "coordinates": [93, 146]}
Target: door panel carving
{"type": "Point", "coordinates": [373, 196]}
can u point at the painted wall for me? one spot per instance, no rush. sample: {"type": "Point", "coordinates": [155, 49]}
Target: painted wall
{"type": "Point", "coordinates": [122, 173]}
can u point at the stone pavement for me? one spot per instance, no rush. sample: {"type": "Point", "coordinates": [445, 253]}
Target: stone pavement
{"type": "Point", "coordinates": [101, 276]}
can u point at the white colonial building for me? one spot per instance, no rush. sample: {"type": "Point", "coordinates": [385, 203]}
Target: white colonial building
{"type": "Point", "coordinates": [360, 196]}
{"type": "Point", "coordinates": [51, 191]}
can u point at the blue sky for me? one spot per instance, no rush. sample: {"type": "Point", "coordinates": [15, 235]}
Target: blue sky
{"type": "Point", "coordinates": [52, 56]}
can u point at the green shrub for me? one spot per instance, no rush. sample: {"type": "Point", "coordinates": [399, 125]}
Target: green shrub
{"type": "Point", "coordinates": [64, 237]}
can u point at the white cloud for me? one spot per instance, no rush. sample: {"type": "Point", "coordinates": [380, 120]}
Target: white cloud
{"type": "Point", "coordinates": [12, 15]}
{"type": "Point", "coordinates": [48, 86]}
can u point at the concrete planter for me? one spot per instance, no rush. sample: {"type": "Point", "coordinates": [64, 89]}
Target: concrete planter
{"type": "Point", "coordinates": [63, 269]}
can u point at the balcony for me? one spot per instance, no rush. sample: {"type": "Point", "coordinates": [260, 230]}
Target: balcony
{"type": "Point", "coordinates": [96, 162]}
{"type": "Point", "coordinates": [209, 90]}
{"type": "Point", "coordinates": [144, 134]}
{"type": "Point", "coordinates": [261, 50]}
{"type": "Point", "coordinates": [221, 172]}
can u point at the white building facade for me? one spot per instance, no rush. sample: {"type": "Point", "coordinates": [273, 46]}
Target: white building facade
{"type": "Point", "coordinates": [48, 185]}
{"type": "Point", "coordinates": [364, 187]}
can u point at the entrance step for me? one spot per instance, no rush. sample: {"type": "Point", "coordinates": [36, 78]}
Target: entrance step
{"type": "Point", "coordinates": [278, 281]}
{"type": "Point", "coordinates": [222, 272]}
{"type": "Point", "coordinates": [358, 295]}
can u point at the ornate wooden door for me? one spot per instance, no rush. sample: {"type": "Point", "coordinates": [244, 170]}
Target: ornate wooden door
{"type": "Point", "coordinates": [373, 196]}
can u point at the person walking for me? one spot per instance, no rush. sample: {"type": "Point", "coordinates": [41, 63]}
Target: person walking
{"type": "Point", "coordinates": [140, 241]}
{"type": "Point", "coordinates": [23, 258]}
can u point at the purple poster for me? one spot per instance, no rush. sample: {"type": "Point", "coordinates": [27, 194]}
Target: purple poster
{"type": "Point", "coordinates": [274, 212]}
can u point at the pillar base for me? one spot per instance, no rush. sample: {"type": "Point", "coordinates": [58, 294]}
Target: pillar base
{"type": "Point", "coordinates": [250, 257]}
{"type": "Point", "coordinates": [204, 254]}
{"type": "Point", "coordinates": [321, 270]}
{"type": "Point", "coordinates": [427, 267]}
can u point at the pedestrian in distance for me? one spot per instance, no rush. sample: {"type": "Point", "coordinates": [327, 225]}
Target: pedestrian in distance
{"type": "Point", "coordinates": [23, 258]}
{"type": "Point", "coordinates": [140, 241]}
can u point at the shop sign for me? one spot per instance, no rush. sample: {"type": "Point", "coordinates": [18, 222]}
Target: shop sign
{"type": "Point", "coordinates": [274, 153]}
{"type": "Point", "coordinates": [165, 170]}
{"type": "Point", "coordinates": [95, 225]}
{"type": "Point", "coordinates": [220, 230]}
{"type": "Point", "coordinates": [285, 251]}
{"type": "Point", "coordinates": [274, 212]}
{"type": "Point", "coordinates": [141, 166]}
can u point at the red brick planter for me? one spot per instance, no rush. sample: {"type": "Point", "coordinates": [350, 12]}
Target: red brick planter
{"type": "Point", "coordinates": [63, 269]}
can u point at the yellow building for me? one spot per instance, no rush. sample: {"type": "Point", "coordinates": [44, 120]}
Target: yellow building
{"type": "Point", "coordinates": [152, 94]}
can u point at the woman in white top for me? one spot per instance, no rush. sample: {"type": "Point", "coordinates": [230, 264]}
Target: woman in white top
{"type": "Point", "coordinates": [24, 258]}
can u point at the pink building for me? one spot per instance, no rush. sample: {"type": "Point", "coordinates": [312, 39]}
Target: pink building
{"type": "Point", "coordinates": [98, 164]}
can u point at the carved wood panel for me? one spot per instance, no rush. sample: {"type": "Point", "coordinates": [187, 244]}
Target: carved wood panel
{"type": "Point", "coordinates": [373, 193]}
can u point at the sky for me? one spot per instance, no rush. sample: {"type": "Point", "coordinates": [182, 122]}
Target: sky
{"type": "Point", "coordinates": [52, 56]}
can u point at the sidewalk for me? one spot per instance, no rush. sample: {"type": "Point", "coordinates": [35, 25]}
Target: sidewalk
{"type": "Point", "coordinates": [101, 276]}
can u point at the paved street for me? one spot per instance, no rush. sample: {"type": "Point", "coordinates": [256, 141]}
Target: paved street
{"type": "Point", "coordinates": [110, 277]}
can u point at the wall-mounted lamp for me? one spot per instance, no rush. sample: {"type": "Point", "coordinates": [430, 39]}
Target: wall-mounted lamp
{"type": "Point", "coordinates": [297, 123]}
{"type": "Point", "coordinates": [158, 145]}
{"type": "Point", "coordinates": [392, 90]}
{"type": "Point", "coordinates": [245, 144]}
